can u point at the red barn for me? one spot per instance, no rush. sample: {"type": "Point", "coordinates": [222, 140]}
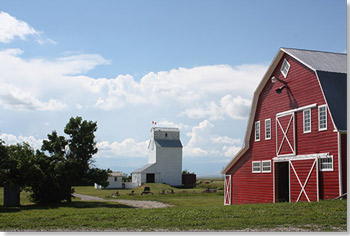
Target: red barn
{"type": "Point", "coordinates": [295, 143]}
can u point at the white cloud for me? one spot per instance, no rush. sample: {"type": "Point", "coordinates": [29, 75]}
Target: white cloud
{"type": "Point", "coordinates": [208, 110]}
{"type": "Point", "coordinates": [230, 151]}
{"type": "Point", "coordinates": [171, 124]}
{"type": "Point", "coordinates": [10, 28]}
{"type": "Point", "coordinates": [226, 140]}
{"type": "Point", "coordinates": [182, 86]}
{"type": "Point", "coordinates": [235, 108]}
{"type": "Point", "coordinates": [204, 143]}
{"type": "Point", "coordinates": [195, 92]}
{"type": "Point", "coordinates": [16, 99]}
{"type": "Point", "coordinates": [127, 148]}
{"type": "Point", "coordinates": [27, 83]}
{"type": "Point", "coordinates": [11, 139]}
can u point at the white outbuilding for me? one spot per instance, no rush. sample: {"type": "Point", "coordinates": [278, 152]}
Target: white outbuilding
{"type": "Point", "coordinates": [164, 159]}
{"type": "Point", "coordinates": [115, 181]}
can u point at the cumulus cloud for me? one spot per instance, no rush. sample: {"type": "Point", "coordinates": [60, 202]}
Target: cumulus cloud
{"type": "Point", "coordinates": [204, 142]}
{"type": "Point", "coordinates": [127, 148]}
{"type": "Point", "coordinates": [10, 28]}
{"type": "Point", "coordinates": [184, 86]}
{"type": "Point", "coordinates": [233, 107]}
{"type": "Point", "coordinates": [171, 124]}
{"type": "Point", "coordinates": [195, 92]}
{"type": "Point", "coordinates": [38, 84]}
{"type": "Point", "coordinates": [11, 139]}
{"type": "Point", "coordinates": [15, 99]}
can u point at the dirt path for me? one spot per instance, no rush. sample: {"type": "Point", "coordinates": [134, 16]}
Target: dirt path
{"type": "Point", "coordinates": [132, 203]}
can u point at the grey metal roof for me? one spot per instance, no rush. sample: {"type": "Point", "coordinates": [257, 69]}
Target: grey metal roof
{"type": "Point", "coordinates": [165, 129]}
{"type": "Point", "coordinates": [143, 168]}
{"type": "Point", "coordinates": [334, 88]}
{"type": "Point", "coordinates": [331, 70]}
{"type": "Point", "coordinates": [116, 173]}
{"type": "Point", "coordinates": [168, 143]}
{"type": "Point", "coordinates": [321, 61]}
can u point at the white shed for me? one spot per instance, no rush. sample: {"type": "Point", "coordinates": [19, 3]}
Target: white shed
{"type": "Point", "coordinates": [115, 181]}
{"type": "Point", "coordinates": [164, 159]}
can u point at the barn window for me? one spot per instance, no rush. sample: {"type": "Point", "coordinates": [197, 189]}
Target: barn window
{"type": "Point", "coordinates": [268, 129]}
{"type": "Point", "coordinates": [166, 134]}
{"type": "Point", "coordinates": [266, 166]}
{"type": "Point", "coordinates": [322, 117]}
{"type": "Point", "coordinates": [257, 131]}
{"type": "Point", "coordinates": [326, 163]}
{"type": "Point", "coordinates": [116, 179]}
{"type": "Point", "coordinates": [285, 68]}
{"type": "Point", "coordinates": [307, 121]}
{"type": "Point", "coordinates": [256, 166]}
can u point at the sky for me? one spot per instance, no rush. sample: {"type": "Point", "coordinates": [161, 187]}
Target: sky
{"type": "Point", "coordinates": [191, 64]}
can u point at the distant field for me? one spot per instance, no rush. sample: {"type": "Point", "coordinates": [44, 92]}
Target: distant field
{"type": "Point", "coordinates": [191, 212]}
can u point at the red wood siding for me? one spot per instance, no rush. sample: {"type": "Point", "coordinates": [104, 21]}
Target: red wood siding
{"type": "Point", "coordinates": [304, 89]}
{"type": "Point", "coordinates": [248, 187]}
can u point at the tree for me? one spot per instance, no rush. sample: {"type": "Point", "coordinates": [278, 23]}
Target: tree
{"type": "Point", "coordinates": [82, 146]}
{"type": "Point", "coordinates": [96, 175]}
{"type": "Point", "coordinates": [16, 166]}
{"type": "Point", "coordinates": [67, 162]}
{"type": "Point", "coordinates": [61, 163]}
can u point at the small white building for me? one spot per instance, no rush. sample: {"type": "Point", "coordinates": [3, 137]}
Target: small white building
{"type": "Point", "coordinates": [164, 159]}
{"type": "Point", "coordinates": [116, 181]}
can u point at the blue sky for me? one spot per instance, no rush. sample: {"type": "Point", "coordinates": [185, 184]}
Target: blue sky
{"type": "Point", "coordinates": [187, 64]}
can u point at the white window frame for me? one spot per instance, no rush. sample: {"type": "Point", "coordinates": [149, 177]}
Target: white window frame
{"type": "Point", "coordinates": [267, 137]}
{"type": "Point", "coordinates": [304, 123]}
{"type": "Point", "coordinates": [257, 131]}
{"type": "Point", "coordinates": [262, 166]}
{"type": "Point", "coordinates": [319, 117]}
{"type": "Point", "coordinates": [326, 168]}
{"type": "Point", "coordinates": [256, 162]}
{"type": "Point", "coordinates": [285, 64]}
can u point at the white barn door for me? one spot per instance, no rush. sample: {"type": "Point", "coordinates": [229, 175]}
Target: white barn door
{"type": "Point", "coordinates": [227, 197]}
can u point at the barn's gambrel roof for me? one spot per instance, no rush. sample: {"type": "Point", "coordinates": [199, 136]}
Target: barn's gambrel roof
{"type": "Point", "coordinates": [319, 61]}
{"type": "Point", "coordinates": [330, 69]}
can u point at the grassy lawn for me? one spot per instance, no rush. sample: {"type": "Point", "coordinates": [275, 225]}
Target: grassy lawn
{"type": "Point", "coordinates": [200, 211]}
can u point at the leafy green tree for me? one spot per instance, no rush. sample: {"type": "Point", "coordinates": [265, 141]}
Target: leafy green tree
{"type": "Point", "coordinates": [61, 163]}
{"type": "Point", "coordinates": [46, 185]}
{"type": "Point", "coordinates": [16, 168]}
{"type": "Point", "coordinates": [96, 175]}
{"type": "Point", "coordinates": [67, 162]}
{"type": "Point", "coordinates": [82, 147]}
{"type": "Point", "coordinates": [16, 164]}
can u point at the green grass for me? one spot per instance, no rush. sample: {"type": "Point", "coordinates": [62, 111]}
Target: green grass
{"type": "Point", "coordinates": [201, 211]}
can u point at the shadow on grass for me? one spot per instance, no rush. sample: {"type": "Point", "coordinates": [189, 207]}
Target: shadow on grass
{"type": "Point", "coordinates": [74, 204]}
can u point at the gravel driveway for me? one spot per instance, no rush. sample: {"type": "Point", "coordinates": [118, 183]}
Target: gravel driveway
{"type": "Point", "coordinates": [132, 203]}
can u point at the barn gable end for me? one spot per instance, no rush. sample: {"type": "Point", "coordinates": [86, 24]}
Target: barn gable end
{"type": "Point", "coordinates": [257, 171]}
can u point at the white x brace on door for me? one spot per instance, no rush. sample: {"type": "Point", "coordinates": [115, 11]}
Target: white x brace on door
{"type": "Point", "coordinates": [306, 176]}
{"type": "Point", "coordinates": [285, 134]}
{"type": "Point", "coordinates": [227, 190]}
